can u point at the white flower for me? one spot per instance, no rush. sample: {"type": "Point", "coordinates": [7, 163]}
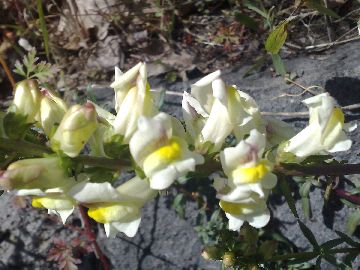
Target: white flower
{"type": "Point", "coordinates": [133, 99]}
{"type": "Point", "coordinates": [324, 132]}
{"type": "Point", "coordinates": [158, 148]}
{"type": "Point", "coordinates": [118, 209]}
{"type": "Point", "coordinates": [277, 131]}
{"type": "Point", "coordinates": [246, 170]}
{"type": "Point", "coordinates": [27, 99]}
{"type": "Point", "coordinates": [213, 110]}
{"type": "Point", "coordinates": [52, 111]}
{"type": "Point", "coordinates": [252, 210]}
{"type": "Point", "coordinates": [75, 129]}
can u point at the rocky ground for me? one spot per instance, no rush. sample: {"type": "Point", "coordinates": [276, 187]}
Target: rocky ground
{"type": "Point", "coordinates": [164, 240]}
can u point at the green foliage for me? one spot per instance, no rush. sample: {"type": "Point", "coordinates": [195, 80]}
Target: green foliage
{"type": "Point", "coordinates": [353, 221]}
{"type": "Point", "coordinates": [278, 65]}
{"type": "Point", "coordinates": [305, 198]}
{"type": "Point", "coordinates": [43, 28]}
{"type": "Point", "coordinates": [15, 125]}
{"type": "Point", "coordinates": [277, 38]}
{"type": "Point", "coordinates": [285, 189]}
{"type": "Point", "coordinates": [31, 68]}
{"type": "Point", "coordinates": [320, 7]}
{"type": "Point", "coordinates": [101, 175]}
{"type": "Point", "coordinates": [114, 147]}
{"type": "Point", "coordinates": [179, 204]}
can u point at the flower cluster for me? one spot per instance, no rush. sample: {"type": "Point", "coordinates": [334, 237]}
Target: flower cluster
{"type": "Point", "coordinates": [221, 123]}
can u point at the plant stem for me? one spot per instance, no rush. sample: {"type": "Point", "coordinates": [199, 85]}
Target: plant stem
{"type": "Point", "coordinates": [329, 169]}
{"type": "Point", "coordinates": [92, 238]}
{"type": "Point", "coordinates": [209, 167]}
{"type": "Point", "coordinates": [7, 71]}
{"type": "Point", "coordinates": [310, 254]}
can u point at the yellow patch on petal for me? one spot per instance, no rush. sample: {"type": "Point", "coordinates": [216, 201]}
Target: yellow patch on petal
{"type": "Point", "coordinates": [250, 175]}
{"type": "Point", "coordinates": [54, 203]}
{"type": "Point", "coordinates": [165, 155]}
{"type": "Point", "coordinates": [37, 203]}
{"type": "Point", "coordinates": [112, 212]}
{"type": "Point", "coordinates": [337, 116]}
{"type": "Point", "coordinates": [236, 209]}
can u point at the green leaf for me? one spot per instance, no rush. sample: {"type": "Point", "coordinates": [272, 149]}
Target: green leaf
{"type": "Point", "coordinates": [285, 189]}
{"type": "Point", "coordinates": [305, 198]}
{"type": "Point", "coordinates": [332, 260]}
{"type": "Point", "coordinates": [278, 65]}
{"type": "Point", "coordinates": [308, 234]}
{"type": "Point", "coordinates": [318, 263]}
{"type": "Point", "coordinates": [306, 207]}
{"type": "Point", "coordinates": [353, 221]}
{"type": "Point", "coordinates": [332, 243]}
{"type": "Point", "coordinates": [101, 175]}
{"type": "Point", "coordinates": [268, 248]}
{"type": "Point", "coordinates": [319, 6]}
{"type": "Point", "coordinates": [15, 125]}
{"type": "Point", "coordinates": [179, 205]}
{"type": "Point", "coordinates": [257, 65]}
{"type": "Point", "coordinates": [246, 20]}
{"type": "Point", "coordinates": [277, 38]}
{"type": "Point", "coordinates": [43, 28]}
{"type": "Point", "coordinates": [115, 148]}
{"type": "Point", "coordinates": [347, 239]}
{"type": "Point", "coordinates": [305, 189]}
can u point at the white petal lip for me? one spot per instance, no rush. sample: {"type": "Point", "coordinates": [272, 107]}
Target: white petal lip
{"type": "Point", "coordinates": [124, 78]}
{"type": "Point", "coordinates": [129, 228]}
{"type": "Point", "coordinates": [86, 192]}
{"type": "Point", "coordinates": [208, 79]}
{"type": "Point", "coordinates": [257, 220]}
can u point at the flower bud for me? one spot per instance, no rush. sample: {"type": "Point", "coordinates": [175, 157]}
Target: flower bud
{"type": "Point", "coordinates": [37, 173]}
{"type": "Point", "coordinates": [52, 110]}
{"type": "Point", "coordinates": [211, 253]}
{"type": "Point", "coordinates": [76, 128]}
{"type": "Point", "coordinates": [27, 99]}
{"type": "Point", "coordinates": [228, 259]}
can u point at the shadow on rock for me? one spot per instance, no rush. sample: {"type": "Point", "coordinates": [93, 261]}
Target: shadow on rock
{"type": "Point", "coordinates": [345, 90]}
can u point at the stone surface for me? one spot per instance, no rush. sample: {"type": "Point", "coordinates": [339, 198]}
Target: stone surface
{"type": "Point", "coordinates": [164, 240]}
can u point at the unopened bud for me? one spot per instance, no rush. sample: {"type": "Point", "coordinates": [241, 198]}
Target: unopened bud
{"type": "Point", "coordinates": [27, 99]}
{"type": "Point", "coordinates": [211, 253]}
{"type": "Point", "coordinates": [76, 128]}
{"type": "Point", "coordinates": [37, 173]}
{"type": "Point", "coordinates": [228, 259]}
{"type": "Point", "coordinates": [52, 111]}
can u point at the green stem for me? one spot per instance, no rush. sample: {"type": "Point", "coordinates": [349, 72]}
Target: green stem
{"type": "Point", "coordinates": [310, 254]}
{"type": "Point", "coordinates": [32, 149]}
{"type": "Point", "coordinates": [209, 167]}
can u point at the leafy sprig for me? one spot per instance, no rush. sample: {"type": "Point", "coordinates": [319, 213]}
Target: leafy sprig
{"type": "Point", "coordinates": [32, 68]}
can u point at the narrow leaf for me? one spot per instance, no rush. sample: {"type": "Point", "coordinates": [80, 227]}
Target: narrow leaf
{"type": "Point", "coordinates": [308, 234]}
{"type": "Point", "coordinates": [319, 6]}
{"type": "Point", "coordinates": [353, 221]}
{"type": "Point", "coordinates": [277, 38]}
{"type": "Point", "coordinates": [285, 189]}
{"type": "Point", "coordinates": [347, 239]}
{"type": "Point", "coordinates": [332, 243]}
{"type": "Point", "coordinates": [43, 28]}
{"type": "Point", "coordinates": [246, 20]}
{"type": "Point", "coordinates": [278, 65]}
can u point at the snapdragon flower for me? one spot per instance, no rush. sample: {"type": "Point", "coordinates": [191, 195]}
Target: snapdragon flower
{"type": "Point", "coordinates": [161, 152]}
{"type": "Point", "coordinates": [44, 180]}
{"type": "Point", "coordinates": [246, 170]}
{"type": "Point", "coordinates": [27, 100]}
{"type": "Point", "coordinates": [118, 209]}
{"type": "Point", "coordinates": [34, 173]}
{"type": "Point", "coordinates": [325, 132]}
{"type": "Point", "coordinates": [253, 210]}
{"type": "Point", "coordinates": [52, 110]}
{"type": "Point", "coordinates": [133, 99]}
{"type": "Point", "coordinates": [214, 110]}
{"type": "Point", "coordinates": [75, 129]}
